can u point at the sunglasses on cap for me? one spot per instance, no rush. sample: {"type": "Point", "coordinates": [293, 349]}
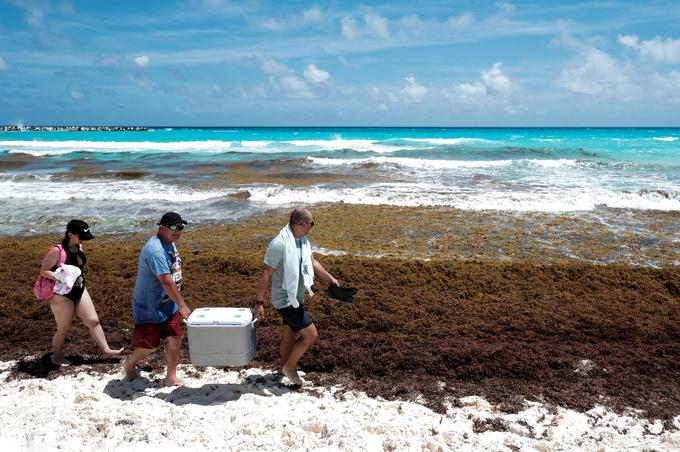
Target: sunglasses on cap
{"type": "Point", "coordinates": [174, 227]}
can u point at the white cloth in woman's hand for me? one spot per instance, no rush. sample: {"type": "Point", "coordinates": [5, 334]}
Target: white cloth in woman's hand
{"type": "Point", "coordinates": [66, 278]}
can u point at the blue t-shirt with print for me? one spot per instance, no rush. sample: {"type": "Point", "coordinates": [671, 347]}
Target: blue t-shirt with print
{"type": "Point", "coordinates": [150, 303]}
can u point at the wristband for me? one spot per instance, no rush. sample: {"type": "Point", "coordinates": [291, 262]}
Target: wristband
{"type": "Point", "coordinates": [258, 303]}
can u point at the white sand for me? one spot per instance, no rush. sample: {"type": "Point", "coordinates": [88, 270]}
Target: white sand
{"type": "Point", "coordinates": [250, 410]}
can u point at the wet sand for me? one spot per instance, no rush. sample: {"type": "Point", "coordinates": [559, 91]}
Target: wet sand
{"type": "Point", "coordinates": [450, 305]}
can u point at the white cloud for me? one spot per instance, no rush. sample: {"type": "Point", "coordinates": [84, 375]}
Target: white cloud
{"type": "Point", "coordinates": [241, 92]}
{"type": "Point", "coordinates": [294, 86]}
{"type": "Point", "coordinates": [298, 20]}
{"type": "Point", "coordinates": [212, 3]}
{"type": "Point", "coordinates": [493, 86]}
{"type": "Point", "coordinates": [315, 75]}
{"type": "Point", "coordinates": [350, 28]}
{"type": "Point", "coordinates": [343, 61]}
{"type": "Point", "coordinates": [629, 41]}
{"type": "Point", "coordinates": [657, 49]}
{"type": "Point", "coordinates": [35, 16]}
{"type": "Point", "coordinates": [110, 61]}
{"type": "Point", "coordinates": [271, 24]}
{"type": "Point", "coordinates": [284, 79]}
{"type": "Point", "coordinates": [216, 90]}
{"type": "Point", "coordinates": [412, 91]}
{"type": "Point", "coordinates": [313, 14]}
{"type": "Point", "coordinates": [3, 64]}
{"type": "Point", "coordinates": [133, 70]}
{"type": "Point", "coordinates": [496, 81]}
{"type": "Point", "coordinates": [377, 25]}
{"type": "Point", "coordinates": [255, 92]}
{"type": "Point", "coordinates": [142, 60]}
{"type": "Point", "coordinates": [140, 79]}
{"type": "Point", "coordinates": [413, 25]}
{"type": "Point", "coordinates": [469, 91]}
{"type": "Point", "coordinates": [65, 8]}
{"type": "Point", "coordinates": [272, 67]}
{"type": "Point", "coordinates": [668, 86]}
{"type": "Point", "coordinates": [597, 73]}
{"type": "Point", "coordinates": [463, 20]}
{"type": "Point", "coordinates": [75, 94]}
{"type": "Point", "coordinates": [506, 8]}
{"type": "Point", "coordinates": [503, 22]}
{"type": "Point", "coordinates": [373, 25]}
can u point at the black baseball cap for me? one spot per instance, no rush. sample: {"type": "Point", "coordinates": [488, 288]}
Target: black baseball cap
{"type": "Point", "coordinates": [80, 228]}
{"type": "Point", "coordinates": [170, 219]}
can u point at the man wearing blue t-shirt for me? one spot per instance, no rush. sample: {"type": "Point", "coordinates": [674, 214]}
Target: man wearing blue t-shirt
{"type": "Point", "coordinates": [157, 304]}
{"type": "Point", "coordinates": [290, 265]}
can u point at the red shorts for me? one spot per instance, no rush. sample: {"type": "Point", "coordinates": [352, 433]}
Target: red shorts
{"type": "Point", "coordinates": [149, 335]}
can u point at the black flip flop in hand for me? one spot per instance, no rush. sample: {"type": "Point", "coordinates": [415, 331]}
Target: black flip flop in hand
{"type": "Point", "coordinates": [342, 293]}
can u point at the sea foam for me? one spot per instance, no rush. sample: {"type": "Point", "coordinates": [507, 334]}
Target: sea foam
{"type": "Point", "coordinates": [46, 148]}
{"type": "Point", "coordinates": [411, 162]}
{"type": "Point", "coordinates": [342, 144]}
{"type": "Point", "coordinates": [448, 141]}
{"type": "Point", "coordinates": [48, 189]}
{"type": "Point", "coordinates": [462, 185]}
{"type": "Point", "coordinates": [424, 194]}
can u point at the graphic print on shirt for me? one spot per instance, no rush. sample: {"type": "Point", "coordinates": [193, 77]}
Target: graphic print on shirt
{"type": "Point", "coordinates": [176, 267]}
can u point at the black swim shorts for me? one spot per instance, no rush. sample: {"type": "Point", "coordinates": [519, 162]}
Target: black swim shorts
{"type": "Point", "coordinates": [296, 318]}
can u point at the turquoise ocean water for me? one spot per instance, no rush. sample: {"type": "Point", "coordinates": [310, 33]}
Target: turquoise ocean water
{"type": "Point", "coordinates": [122, 181]}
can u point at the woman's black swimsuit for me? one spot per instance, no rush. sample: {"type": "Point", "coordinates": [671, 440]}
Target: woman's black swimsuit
{"type": "Point", "coordinates": [77, 259]}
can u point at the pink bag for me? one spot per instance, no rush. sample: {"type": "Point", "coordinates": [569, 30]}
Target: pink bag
{"type": "Point", "coordinates": [44, 287]}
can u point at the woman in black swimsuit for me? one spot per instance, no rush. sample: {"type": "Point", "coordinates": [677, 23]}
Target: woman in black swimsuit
{"type": "Point", "coordinates": [77, 301]}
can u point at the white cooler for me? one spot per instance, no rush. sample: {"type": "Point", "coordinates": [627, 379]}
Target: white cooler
{"type": "Point", "coordinates": [221, 336]}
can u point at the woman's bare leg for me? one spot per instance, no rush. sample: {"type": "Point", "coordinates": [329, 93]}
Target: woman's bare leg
{"type": "Point", "coordinates": [85, 310]}
{"type": "Point", "coordinates": [63, 310]}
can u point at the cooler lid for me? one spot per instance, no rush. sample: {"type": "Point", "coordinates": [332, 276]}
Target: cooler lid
{"type": "Point", "coordinates": [220, 316]}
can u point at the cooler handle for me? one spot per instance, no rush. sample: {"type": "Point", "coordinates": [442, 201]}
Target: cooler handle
{"type": "Point", "coordinates": [252, 310]}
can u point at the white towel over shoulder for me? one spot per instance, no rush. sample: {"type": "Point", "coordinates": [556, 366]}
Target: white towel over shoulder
{"type": "Point", "coordinates": [292, 267]}
{"type": "Point", "coordinates": [66, 277]}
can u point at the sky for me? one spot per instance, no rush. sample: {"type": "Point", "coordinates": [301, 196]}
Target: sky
{"type": "Point", "coordinates": [340, 63]}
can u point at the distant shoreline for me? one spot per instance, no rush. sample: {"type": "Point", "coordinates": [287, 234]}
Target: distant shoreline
{"type": "Point", "coordinates": [19, 128]}
{"type": "Point", "coordinates": [73, 128]}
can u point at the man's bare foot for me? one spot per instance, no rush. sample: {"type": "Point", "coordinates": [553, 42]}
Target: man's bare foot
{"type": "Point", "coordinates": [111, 353]}
{"type": "Point", "coordinates": [292, 376]}
{"type": "Point", "coordinates": [131, 373]}
{"type": "Point", "coordinates": [59, 361]}
{"type": "Point", "coordinates": [174, 381]}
